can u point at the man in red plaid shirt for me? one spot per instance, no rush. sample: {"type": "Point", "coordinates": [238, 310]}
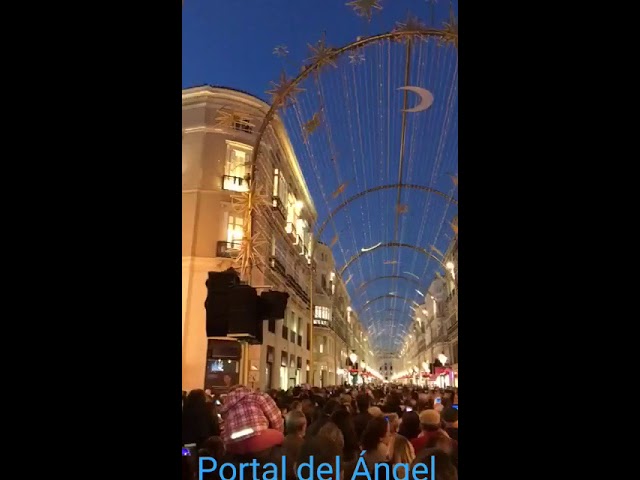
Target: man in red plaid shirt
{"type": "Point", "coordinates": [251, 421]}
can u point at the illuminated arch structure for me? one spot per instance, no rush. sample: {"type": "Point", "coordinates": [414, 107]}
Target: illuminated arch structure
{"type": "Point", "coordinates": [358, 255]}
{"type": "Point", "coordinates": [288, 87]}
{"type": "Point", "coordinates": [394, 186]}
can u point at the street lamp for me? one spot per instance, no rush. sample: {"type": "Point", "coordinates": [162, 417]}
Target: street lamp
{"type": "Point", "coordinates": [353, 357]}
{"type": "Point", "coordinates": [443, 358]}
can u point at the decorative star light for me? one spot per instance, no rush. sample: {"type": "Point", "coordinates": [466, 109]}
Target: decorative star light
{"type": "Point", "coordinates": [339, 190]}
{"type": "Point", "coordinates": [451, 30]}
{"type": "Point", "coordinates": [356, 58]}
{"type": "Point", "coordinates": [283, 93]}
{"type": "Point", "coordinates": [281, 51]}
{"type": "Point", "coordinates": [364, 8]}
{"type": "Point", "coordinates": [321, 54]}
{"type": "Point", "coordinates": [229, 119]}
{"type": "Point", "coordinates": [311, 126]}
{"type": "Point", "coordinates": [411, 24]}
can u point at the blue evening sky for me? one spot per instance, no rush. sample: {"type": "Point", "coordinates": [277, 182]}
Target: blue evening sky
{"type": "Point", "coordinates": [230, 43]}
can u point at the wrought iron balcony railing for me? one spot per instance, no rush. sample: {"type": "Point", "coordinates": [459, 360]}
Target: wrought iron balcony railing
{"type": "Point", "coordinates": [277, 265]}
{"type": "Point", "coordinates": [228, 249]}
{"type": "Point", "coordinates": [235, 184]}
{"type": "Point", "coordinates": [276, 204]}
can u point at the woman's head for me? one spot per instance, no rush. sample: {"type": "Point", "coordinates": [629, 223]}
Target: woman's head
{"type": "Point", "coordinates": [402, 451]}
{"type": "Point", "coordinates": [332, 434]}
{"type": "Point", "coordinates": [376, 431]}
{"type": "Point", "coordinates": [344, 421]}
{"type": "Point", "coordinates": [196, 400]}
{"type": "Point", "coordinates": [394, 423]}
{"type": "Point", "coordinates": [410, 425]}
{"type": "Point", "coordinates": [375, 412]}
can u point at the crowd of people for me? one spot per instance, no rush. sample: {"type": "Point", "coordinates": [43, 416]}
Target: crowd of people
{"type": "Point", "coordinates": [389, 425]}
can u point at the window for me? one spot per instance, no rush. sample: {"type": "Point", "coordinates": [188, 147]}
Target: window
{"type": "Point", "coordinates": [323, 313]}
{"type": "Point", "coordinates": [280, 189]}
{"type": "Point", "coordinates": [308, 336]}
{"type": "Point", "coordinates": [323, 342]}
{"type": "Point", "coordinates": [242, 124]}
{"type": "Point", "coordinates": [236, 169]}
{"type": "Point", "coordinates": [235, 229]}
{"type": "Point", "coordinates": [276, 182]}
{"type": "Point", "coordinates": [323, 281]}
{"type": "Point", "coordinates": [272, 325]}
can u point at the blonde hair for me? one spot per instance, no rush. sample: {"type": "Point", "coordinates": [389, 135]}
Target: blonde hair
{"type": "Point", "coordinates": [402, 451]}
{"type": "Point", "coordinates": [394, 423]}
{"type": "Point", "coordinates": [375, 412]}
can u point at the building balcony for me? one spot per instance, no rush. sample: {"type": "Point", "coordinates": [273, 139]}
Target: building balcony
{"type": "Point", "coordinates": [321, 322]}
{"type": "Point", "coordinates": [291, 230]}
{"type": "Point", "coordinates": [228, 249]}
{"type": "Point", "coordinates": [295, 286]}
{"type": "Point", "coordinates": [277, 265]}
{"type": "Point", "coordinates": [453, 324]}
{"type": "Point", "coordinates": [234, 184]}
{"type": "Point", "coordinates": [276, 204]}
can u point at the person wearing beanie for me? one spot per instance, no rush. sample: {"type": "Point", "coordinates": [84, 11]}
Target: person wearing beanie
{"type": "Point", "coordinates": [429, 426]}
{"type": "Point", "coordinates": [450, 419]}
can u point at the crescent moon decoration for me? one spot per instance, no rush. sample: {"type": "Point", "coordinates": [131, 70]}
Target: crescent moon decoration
{"type": "Point", "coordinates": [334, 240]}
{"type": "Point", "coordinates": [454, 179]}
{"type": "Point", "coordinates": [371, 248]}
{"type": "Point", "coordinates": [348, 280]}
{"type": "Point", "coordinates": [426, 99]}
{"type": "Point", "coordinates": [412, 274]}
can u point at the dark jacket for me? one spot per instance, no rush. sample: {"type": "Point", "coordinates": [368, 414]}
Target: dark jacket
{"type": "Point", "coordinates": [315, 427]}
{"type": "Point", "coordinates": [360, 423]}
{"type": "Point", "coordinates": [198, 426]}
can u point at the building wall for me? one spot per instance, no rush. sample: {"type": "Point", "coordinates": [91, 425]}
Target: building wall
{"type": "Point", "coordinates": [342, 332]}
{"type": "Point", "coordinates": [209, 242]}
{"type": "Point", "coordinates": [436, 319]}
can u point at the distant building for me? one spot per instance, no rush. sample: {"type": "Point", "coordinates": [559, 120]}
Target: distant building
{"type": "Point", "coordinates": [434, 331]}
{"type": "Point", "coordinates": [337, 332]}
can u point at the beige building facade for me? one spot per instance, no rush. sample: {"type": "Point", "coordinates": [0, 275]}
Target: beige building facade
{"type": "Point", "coordinates": [337, 331]}
{"type": "Point", "coordinates": [220, 128]}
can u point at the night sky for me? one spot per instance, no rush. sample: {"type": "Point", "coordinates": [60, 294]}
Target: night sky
{"type": "Point", "coordinates": [358, 144]}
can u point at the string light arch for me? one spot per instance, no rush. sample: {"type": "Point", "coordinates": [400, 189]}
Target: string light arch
{"type": "Point", "coordinates": [421, 250]}
{"type": "Point", "coordinates": [377, 189]}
